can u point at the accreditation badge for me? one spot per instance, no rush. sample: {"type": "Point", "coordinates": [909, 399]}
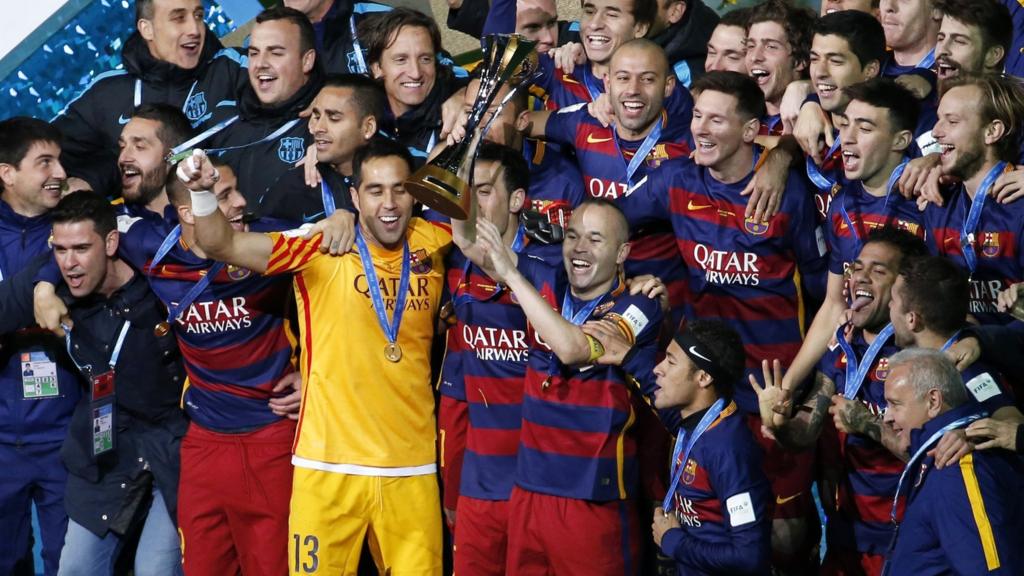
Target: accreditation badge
{"type": "Point", "coordinates": [38, 376]}
{"type": "Point", "coordinates": [104, 412]}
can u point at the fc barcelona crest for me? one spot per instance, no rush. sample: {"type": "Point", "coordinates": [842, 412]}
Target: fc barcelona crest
{"type": "Point", "coordinates": [419, 262]}
{"type": "Point", "coordinates": [237, 273]}
{"type": "Point", "coordinates": [291, 150]}
{"type": "Point", "coordinates": [754, 227]}
{"type": "Point", "coordinates": [195, 107]}
{"type": "Point", "coordinates": [882, 370]}
{"type": "Point", "coordinates": [990, 244]}
{"type": "Point", "coordinates": [690, 472]}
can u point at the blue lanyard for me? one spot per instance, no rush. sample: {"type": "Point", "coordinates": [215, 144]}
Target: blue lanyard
{"type": "Point", "coordinates": [773, 121]}
{"type": "Point", "coordinates": [138, 93]}
{"type": "Point", "coordinates": [357, 49]}
{"type": "Point", "coordinates": [679, 465]}
{"type": "Point", "coordinates": [928, 61]}
{"type": "Point", "coordinates": [580, 316]}
{"type": "Point", "coordinates": [970, 225]}
{"type": "Point", "coordinates": [844, 211]}
{"type": "Point", "coordinates": [588, 82]}
{"type": "Point", "coordinates": [174, 310]}
{"type": "Point", "coordinates": [390, 328]}
{"type": "Point", "coordinates": [463, 296]}
{"type": "Point", "coordinates": [328, 197]}
{"type": "Point", "coordinates": [648, 144]}
{"type": "Point", "coordinates": [912, 463]}
{"type": "Point", "coordinates": [202, 136]}
{"type": "Point", "coordinates": [821, 182]}
{"type": "Point", "coordinates": [113, 355]}
{"type": "Point", "coordinates": [952, 340]}
{"type": "Point", "coordinates": [857, 370]}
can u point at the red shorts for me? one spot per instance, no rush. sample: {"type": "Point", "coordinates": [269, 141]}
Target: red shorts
{"type": "Point", "coordinates": [233, 500]}
{"type": "Point", "coordinates": [791, 474]}
{"type": "Point", "coordinates": [481, 537]}
{"type": "Point", "coordinates": [552, 535]}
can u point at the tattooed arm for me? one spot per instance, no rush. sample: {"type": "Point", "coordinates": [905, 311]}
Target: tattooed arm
{"type": "Point", "coordinates": [803, 427]}
{"type": "Point", "coordinates": [853, 417]}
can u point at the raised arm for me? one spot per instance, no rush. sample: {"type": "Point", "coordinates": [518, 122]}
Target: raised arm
{"type": "Point", "coordinates": [213, 232]}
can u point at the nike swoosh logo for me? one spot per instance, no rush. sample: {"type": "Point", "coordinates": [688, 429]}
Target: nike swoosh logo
{"type": "Point", "coordinates": [312, 217]}
{"type": "Point", "coordinates": [780, 500]}
{"type": "Point", "coordinates": [122, 120]}
{"type": "Point", "coordinates": [592, 140]}
{"type": "Point", "coordinates": [691, 206]}
{"type": "Point", "coordinates": [693, 350]}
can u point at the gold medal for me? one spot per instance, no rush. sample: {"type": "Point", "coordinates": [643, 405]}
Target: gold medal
{"type": "Point", "coordinates": [545, 384]}
{"type": "Point", "coordinates": [161, 329]}
{"type": "Point", "coordinates": [393, 352]}
{"type": "Point", "coordinates": [447, 312]}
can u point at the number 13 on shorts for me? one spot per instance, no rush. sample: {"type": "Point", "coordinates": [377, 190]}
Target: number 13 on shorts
{"type": "Point", "coordinates": [305, 550]}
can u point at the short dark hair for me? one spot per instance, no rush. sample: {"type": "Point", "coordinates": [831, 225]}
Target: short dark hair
{"type": "Point", "coordinates": [738, 17]}
{"type": "Point", "coordinates": [1002, 98]}
{"type": "Point", "coordinates": [862, 32]}
{"type": "Point", "coordinates": [367, 94]}
{"type": "Point", "coordinates": [174, 125]}
{"type": "Point", "coordinates": [797, 22]}
{"type": "Point", "coordinates": [937, 289]}
{"type": "Point", "coordinates": [516, 174]}
{"type": "Point", "coordinates": [82, 206]}
{"type": "Point", "coordinates": [379, 31]}
{"type": "Point", "coordinates": [307, 37]}
{"type": "Point", "coordinates": [644, 11]}
{"type": "Point", "coordinates": [749, 97]}
{"type": "Point", "coordinates": [143, 10]}
{"type": "Point", "coordinates": [19, 133]}
{"type": "Point", "coordinates": [991, 18]}
{"type": "Point", "coordinates": [908, 245]}
{"type": "Point", "coordinates": [726, 348]}
{"type": "Point", "coordinates": [378, 147]}
{"type": "Point", "coordinates": [887, 93]}
{"type": "Point", "coordinates": [617, 213]}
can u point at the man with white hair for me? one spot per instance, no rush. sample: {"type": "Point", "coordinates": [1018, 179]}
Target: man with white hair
{"type": "Point", "coordinates": [964, 519]}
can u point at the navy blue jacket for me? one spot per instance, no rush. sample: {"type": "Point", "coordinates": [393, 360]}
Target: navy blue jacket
{"type": "Point", "coordinates": [962, 519]}
{"type": "Point", "coordinates": [23, 420]}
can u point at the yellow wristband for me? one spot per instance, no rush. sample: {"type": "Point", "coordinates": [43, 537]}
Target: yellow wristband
{"type": "Point", "coordinates": [596, 349]}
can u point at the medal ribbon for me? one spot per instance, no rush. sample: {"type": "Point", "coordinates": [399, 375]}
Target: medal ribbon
{"type": "Point", "coordinates": [679, 465]}
{"type": "Point", "coordinates": [174, 310]}
{"type": "Point", "coordinates": [821, 182]}
{"type": "Point", "coordinates": [648, 144]}
{"type": "Point", "coordinates": [588, 82]}
{"type": "Point", "coordinates": [390, 328]}
{"type": "Point", "coordinates": [952, 340]}
{"type": "Point", "coordinates": [974, 216]}
{"type": "Point", "coordinates": [857, 370]}
{"type": "Point", "coordinates": [463, 296]}
{"type": "Point", "coordinates": [844, 210]}
{"type": "Point", "coordinates": [328, 197]}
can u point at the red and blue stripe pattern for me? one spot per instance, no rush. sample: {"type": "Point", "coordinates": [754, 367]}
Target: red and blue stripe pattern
{"type": "Point", "coordinates": [752, 275]}
{"type": "Point", "coordinates": [579, 423]}
{"type": "Point", "coordinates": [866, 213]}
{"type": "Point", "coordinates": [234, 338]}
{"type": "Point", "coordinates": [997, 244]}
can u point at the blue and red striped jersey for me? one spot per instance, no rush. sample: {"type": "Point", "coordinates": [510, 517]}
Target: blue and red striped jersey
{"type": "Point", "coordinates": [771, 125]}
{"type": "Point", "coordinates": [866, 213]}
{"type": "Point", "coordinates": [870, 471]}
{"type": "Point", "coordinates": [1015, 57]}
{"type": "Point", "coordinates": [233, 337]}
{"type": "Point", "coordinates": [603, 159]}
{"type": "Point", "coordinates": [556, 187]}
{"type": "Point", "coordinates": [997, 246]}
{"type": "Point", "coordinates": [484, 366]}
{"type": "Point", "coordinates": [560, 89]}
{"type": "Point", "coordinates": [723, 502]}
{"type": "Point", "coordinates": [579, 422]}
{"type": "Point", "coordinates": [752, 275]}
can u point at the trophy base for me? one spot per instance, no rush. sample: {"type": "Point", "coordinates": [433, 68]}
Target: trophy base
{"type": "Point", "coordinates": [440, 190]}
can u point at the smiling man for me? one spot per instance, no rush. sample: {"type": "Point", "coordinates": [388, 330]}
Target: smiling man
{"type": "Point", "coordinates": [364, 454]}
{"type": "Point", "coordinates": [345, 115]}
{"type": "Point", "coordinates": [727, 46]}
{"type": "Point", "coordinates": [171, 58]}
{"type": "Point", "coordinates": [267, 137]}
{"type": "Point", "coordinates": [974, 38]}
{"type": "Point", "coordinates": [964, 519]}
{"type": "Point", "coordinates": [778, 41]}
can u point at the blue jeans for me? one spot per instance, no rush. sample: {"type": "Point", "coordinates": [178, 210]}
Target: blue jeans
{"type": "Point", "coordinates": [159, 552]}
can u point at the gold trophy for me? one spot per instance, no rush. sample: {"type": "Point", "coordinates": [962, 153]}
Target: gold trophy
{"type": "Point", "coordinates": [444, 183]}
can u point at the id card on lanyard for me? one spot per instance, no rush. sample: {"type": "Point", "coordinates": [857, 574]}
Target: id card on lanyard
{"type": "Point", "coordinates": [102, 394]}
